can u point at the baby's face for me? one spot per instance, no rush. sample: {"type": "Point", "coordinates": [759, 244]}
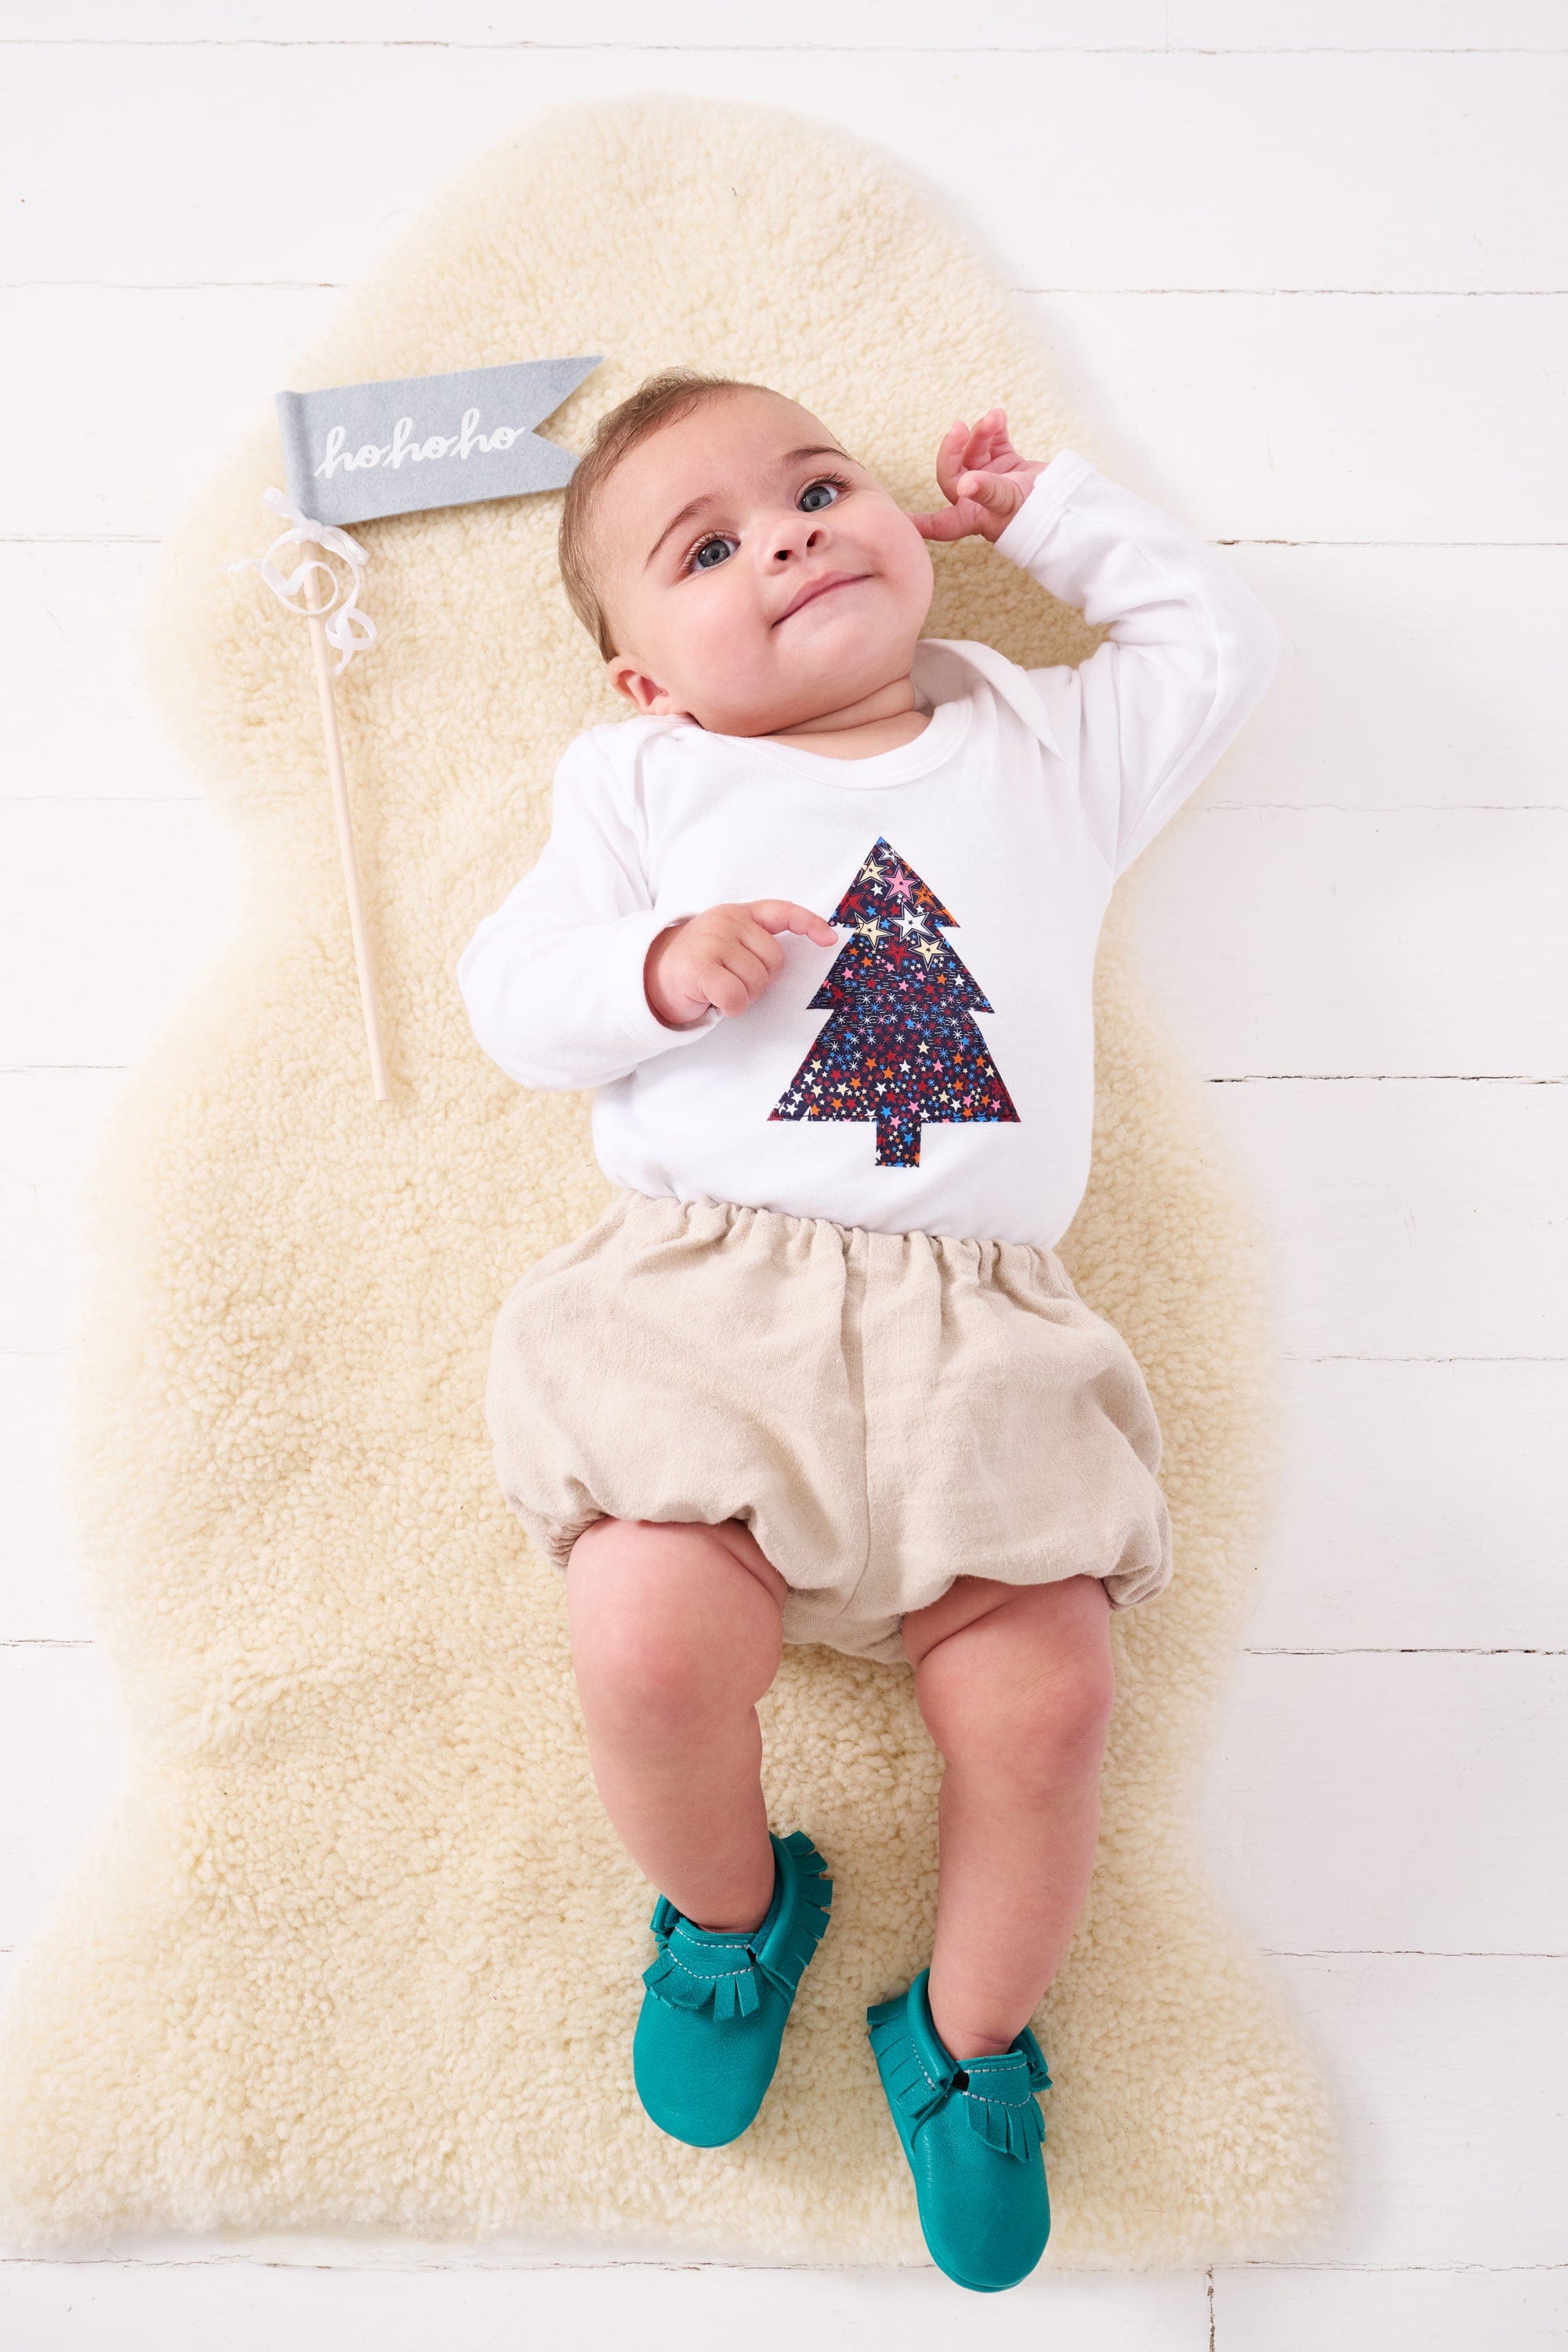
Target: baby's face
{"type": "Point", "coordinates": [755, 576]}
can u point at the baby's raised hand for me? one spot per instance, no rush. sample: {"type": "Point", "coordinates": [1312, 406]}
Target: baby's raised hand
{"type": "Point", "coordinates": [725, 957]}
{"type": "Point", "coordinates": [980, 472]}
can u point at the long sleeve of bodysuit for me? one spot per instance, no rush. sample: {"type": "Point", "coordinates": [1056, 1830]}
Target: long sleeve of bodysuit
{"type": "Point", "coordinates": [1190, 650]}
{"type": "Point", "coordinates": [553, 979]}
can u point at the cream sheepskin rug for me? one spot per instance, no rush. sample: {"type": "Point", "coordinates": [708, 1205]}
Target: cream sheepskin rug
{"type": "Point", "coordinates": [360, 1949]}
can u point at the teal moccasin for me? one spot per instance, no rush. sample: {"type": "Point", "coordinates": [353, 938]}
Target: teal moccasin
{"type": "Point", "coordinates": [715, 2012]}
{"type": "Point", "coordinates": [974, 2137]}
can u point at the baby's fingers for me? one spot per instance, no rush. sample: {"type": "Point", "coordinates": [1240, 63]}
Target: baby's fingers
{"type": "Point", "coordinates": [736, 978]}
{"type": "Point", "coordinates": [1000, 453]}
{"type": "Point", "coordinates": [950, 458]}
{"type": "Point", "coordinates": [783, 915]}
{"type": "Point", "coordinates": [950, 522]}
{"type": "Point", "coordinates": [960, 520]}
{"type": "Point", "coordinates": [994, 492]}
{"type": "Point", "coordinates": [721, 987]}
{"type": "Point", "coordinates": [760, 942]}
{"type": "Point", "coordinates": [983, 443]}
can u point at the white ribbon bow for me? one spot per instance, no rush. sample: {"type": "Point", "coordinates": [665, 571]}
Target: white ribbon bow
{"type": "Point", "coordinates": [349, 629]}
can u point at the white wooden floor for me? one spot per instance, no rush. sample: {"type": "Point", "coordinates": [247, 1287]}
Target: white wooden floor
{"type": "Point", "coordinates": [1303, 264]}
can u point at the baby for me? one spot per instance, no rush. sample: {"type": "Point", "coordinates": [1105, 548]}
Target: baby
{"type": "Point", "coordinates": [818, 923]}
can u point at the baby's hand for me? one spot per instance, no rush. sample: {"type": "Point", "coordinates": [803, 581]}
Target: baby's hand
{"type": "Point", "coordinates": [979, 470]}
{"type": "Point", "coordinates": [726, 957]}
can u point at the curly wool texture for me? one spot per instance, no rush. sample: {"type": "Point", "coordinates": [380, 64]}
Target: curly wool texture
{"type": "Point", "coordinates": [360, 1948]}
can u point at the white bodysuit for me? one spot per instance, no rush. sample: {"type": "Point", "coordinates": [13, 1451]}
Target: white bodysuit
{"type": "Point", "coordinates": [933, 1072]}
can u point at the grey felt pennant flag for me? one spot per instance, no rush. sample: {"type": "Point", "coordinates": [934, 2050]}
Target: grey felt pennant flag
{"type": "Point", "coordinates": [360, 450]}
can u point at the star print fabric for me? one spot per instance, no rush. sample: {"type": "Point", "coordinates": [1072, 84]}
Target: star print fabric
{"type": "Point", "coordinates": [901, 1047]}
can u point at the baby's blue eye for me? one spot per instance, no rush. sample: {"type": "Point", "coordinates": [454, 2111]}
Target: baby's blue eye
{"type": "Point", "coordinates": [711, 555]}
{"type": "Point", "coordinates": [818, 495]}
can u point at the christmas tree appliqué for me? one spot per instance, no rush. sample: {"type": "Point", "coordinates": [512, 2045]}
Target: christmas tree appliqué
{"type": "Point", "coordinates": [901, 1047]}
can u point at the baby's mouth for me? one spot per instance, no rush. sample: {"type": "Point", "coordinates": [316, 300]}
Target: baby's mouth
{"type": "Point", "coordinates": [815, 588]}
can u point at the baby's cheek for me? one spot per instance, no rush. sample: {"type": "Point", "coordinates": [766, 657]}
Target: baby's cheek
{"type": "Point", "coordinates": [733, 640]}
{"type": "Point", "coordinates": [688, 646]}
{"type": "Point", "coordinates": [914, 557]}
{"type": "Point", "coordinates": [735, 669]}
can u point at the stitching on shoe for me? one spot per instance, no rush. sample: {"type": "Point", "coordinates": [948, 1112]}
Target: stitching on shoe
{"type": "Point", "coordinates": [712, 1975]}
{"type": "Point", "coordinates": [982, 2066]}
{"type": "Point", "coordinates": [920, 2062]}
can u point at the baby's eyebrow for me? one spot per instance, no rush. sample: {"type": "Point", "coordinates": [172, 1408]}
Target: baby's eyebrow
{"type": "Point", "coordinates": [694, 507]}
{"type": "Point", "coordinates": [689, 512]}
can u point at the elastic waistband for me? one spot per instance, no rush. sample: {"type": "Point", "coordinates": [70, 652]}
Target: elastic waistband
{"type": "Point", "coordinates": [661, 1216]}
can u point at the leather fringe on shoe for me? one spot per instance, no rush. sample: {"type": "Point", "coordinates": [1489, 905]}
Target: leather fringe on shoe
{"type": "Point", "coordinates": [1014, 2126]}
{"type": "Point", "coordinates": [781, 1955]}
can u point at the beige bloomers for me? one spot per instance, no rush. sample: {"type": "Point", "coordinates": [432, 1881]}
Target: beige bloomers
{"type": "Point", "coordinates": [884, 1412]}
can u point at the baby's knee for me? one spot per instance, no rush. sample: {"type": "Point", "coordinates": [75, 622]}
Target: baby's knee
{"type": "Point", "coordinates": [1049, 1736]}
{"type": "Point", "coordinates": [1034, 1721]}
{"type": "Point", "coordinates": [1064, 1720]}
{"type": "Point", "coordinates": [668, 1627]}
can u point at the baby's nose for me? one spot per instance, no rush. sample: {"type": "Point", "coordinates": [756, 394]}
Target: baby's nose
{"type": "Point", "coordinates": [797, 539]}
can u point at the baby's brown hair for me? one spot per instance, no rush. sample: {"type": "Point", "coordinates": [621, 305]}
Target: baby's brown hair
{"type": "Point", "coordinates": [660, 400]}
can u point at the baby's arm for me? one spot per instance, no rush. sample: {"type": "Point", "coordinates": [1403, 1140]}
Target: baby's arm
{"type": "Point", "coordinates": [1191, 648]}
{"type": "Point", "coordinates": [553, 979]}
{"type": "Point", "coordinates": [575, 980]}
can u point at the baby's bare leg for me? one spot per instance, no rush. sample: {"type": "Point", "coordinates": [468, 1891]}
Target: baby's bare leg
{"type": "Point", "coordinates": [676, 1634]}
{"type": "Point", "coordinates": [1016, 1683]}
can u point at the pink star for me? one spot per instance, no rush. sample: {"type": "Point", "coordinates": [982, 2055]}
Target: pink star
{"type": "Point", "coordinates": [899, 886]}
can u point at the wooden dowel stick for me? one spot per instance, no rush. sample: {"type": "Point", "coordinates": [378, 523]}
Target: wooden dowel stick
{"type": "Point", "coordinates": [346, 843]}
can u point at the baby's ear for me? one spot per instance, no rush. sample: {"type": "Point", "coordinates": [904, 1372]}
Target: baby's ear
{"type": "Point", "coordinates": [628, 679]}
{"type": "Point", "coordinates": [644, 692]}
